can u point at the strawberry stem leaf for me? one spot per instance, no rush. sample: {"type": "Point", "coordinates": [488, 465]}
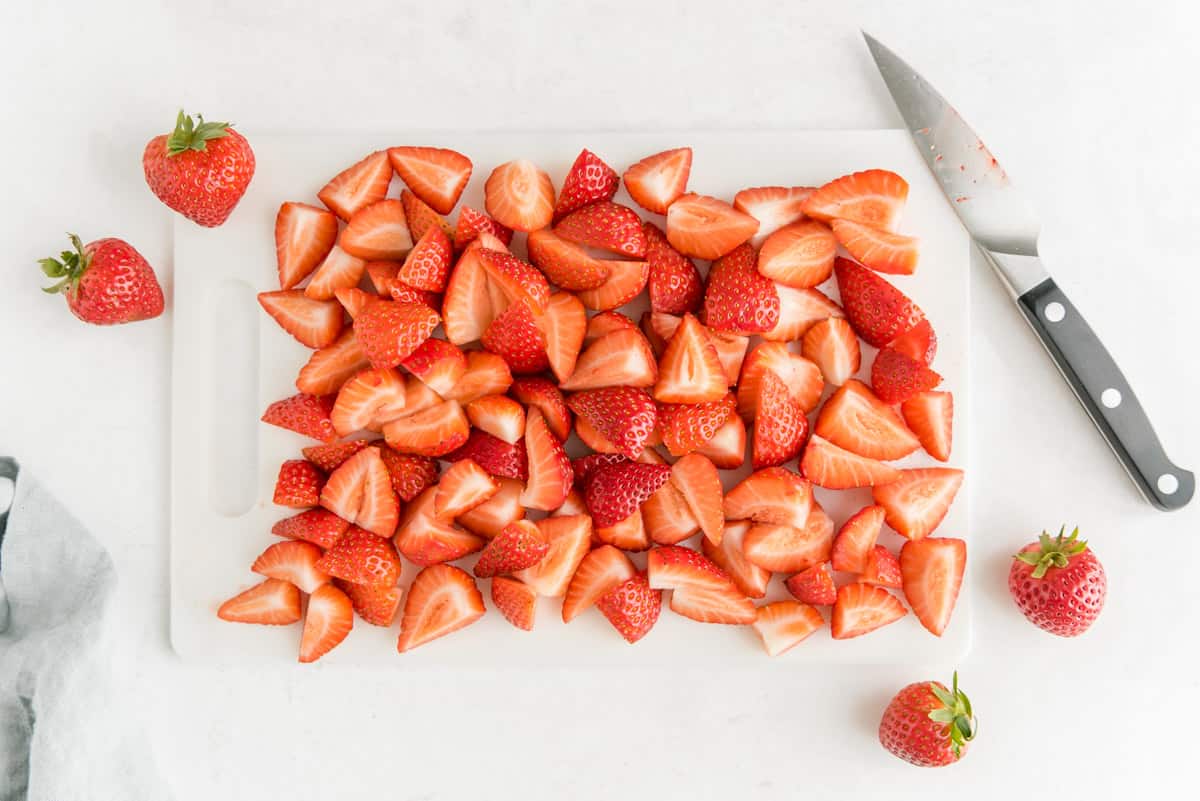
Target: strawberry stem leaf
{"type": "Point", "coordinates": [1053, 551]}
{"type": "Point", "coordinates": [69, 266]}
{"type": "Point", "coordinates": [189, 135]}
{"type": "Point", "coordinates": [955, 712]}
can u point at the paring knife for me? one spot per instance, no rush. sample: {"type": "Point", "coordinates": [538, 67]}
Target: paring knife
{"type": "Point", "coordinates": [1005, 231]}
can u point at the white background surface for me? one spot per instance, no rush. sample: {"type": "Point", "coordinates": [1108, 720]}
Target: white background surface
{"type": "Point", "coordinates": [1090, 105]}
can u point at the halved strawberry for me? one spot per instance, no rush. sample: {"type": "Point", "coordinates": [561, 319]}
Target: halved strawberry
{"type": "Point", "coordinates": [832, 345]}
{"type": "Point", "coordinates": [854, 419]}
{"type": "Point", "coordinates": [814, 585]}
{"type": "Point", "coordinates": [466, 308]}
{"type": "Point", "coordinates": [829, 466]}
{"type": "Point", "coordinates": [498, 415]}
{"type": "Point", "coordinates": [878, 311]}
{"type": "Point", "coordinates": [727, 448]}
{"type": "Point", "coordinates": [751, 580]}
{"type": "Point", "coordinates": [427, 265]}
{"type": "Point", "coordinates": [359, 185]}
{"type": "Point", "coordinates": [435, 431]}
{"type": "Point", "coordinates": [600, 571]}
{"type": "Point", "coordinates": [737, 298]}
{"type": "Point", "coordinates": [771, 495]}
{"type": "Point", "coordinates": [339, 270]}
{"type": "Point", "coordinates": [862, 608]}
{"type": "Point", "coordinates": [435, 175]}
{"type": "Point", "coordinates": [897, 378]}
{"type": "Point", "coordinates": [543, 395]}
{"type": "Point", "coordinates": [801, 377]}
{"type": "Point", "coordinates": [666, 516]}
{"type": "Point", "coordinates": [473, 224]}
{"type": "Point", "coordinates": [520, 196]}
{"type": "Point", "coordinates": [550, 473]}
{"type": "Point", "coordinates": [632, 607]}
{"type": "Point", "coordinates": [516, 336]}
{"type": "Point", "coordinates": [620, 358]}
{"type": "Point", "coordinates": [441, 600]}
{"type": "Point", "coordinates": [360, 491]}
{"type": "Point", "coordinates": [519, 545]}
{"type": "Point", "coordinates": [626, 280]}
{"type": "Point", "coordinates": [376, 604]}
{"type": "Point", "coordinates": [353, 300]}
{"type": "Point", "coordinates": [377, 232]}
{"type": "Point", "coordinates": [871, 197]}
{"type": "Point", "coordinates": [930, 416]}
{"type": "Point", "coordinates": [420, 216]}
{"type": "Point", "coordinates": [690, 370]}
{"type": "Point", "coordinates": [490, 517]}
{"type": "Point", "coordinates": [425, 539]}
{"type": "Point", "coordinates": [688, 426]}
{"type": "Point", "coordinates": [588, 181]}
{"type": "Point", "coordinates": [670, 567]}
{"type": "Point", "coordinates": [785, 624]}
{"type": "Point", "coordinates": [624, 415]}
{"type": "Point", "coordinates": [363, 558]}
{"type": "Point", "coordinates": [368, 400]}
{"type": "Point", "coordinates": [799, 255]}
{"type": "Point", "coordinates": [389, 332]}
{"type": "Point", "coordinates": [882, 251]}
{"type": "Point", "coordinates": [707, 228]}
{"type": "Point", "coordinates": [932, 572]}
{"type": "Point", "coordinates": [314, 323]}
{"type": "Point", "coordinates": [569, 537]}
{"type": "Point", "coordinates": [271, 603]}
{"type": "Point", "coordinates": [304, 414]}
{"type": "Point", "coordinates": [675, 284]}
{"type": "Point", "coordinates": [410, 475]}
{"type": "Point", "coordinates": [598, 325]}
{"type": "Point", "coordinates": [916, 502]}
{"type": "Point", "coordinates": [614, 492]}
{"type": "Point", "coordinates": [516, 600]}
{"type": "Point", "coordinates": [918, 343]}
{"type": "Point", "coordinates": [299, 484]}
{"type": "Point", "coordinates": [294, 561]}
{"type": "Point", "coordinates": [487, 374]}
{"type": "Point", "coordinates": [565, 263]}
{"type": "Point", "coordinates": [780, 426]}
{"type": "Point", "coordinates": [499, 458]}
{"type": "Point", "coordinates": [787, 549]}
{"type": "Point", "coordinates": [800, 310]}
{"type": "Point", "coordinates": [515, 280]}
{"type": "Point", "coordinates": [659, 180]}
{"type": "Point", "coordinates": [464, 486]}
{"type": "Point", "coordinates": [563, 325]}
{"type": "Point", "coordinates": [773, 207]}
{"type": "Point", "coordinates": [327, 621]}
{"type": "Point", "coordinates": [318, 526]}
{"type": "Point", "coordinates": [438, 364]}
{"type": "Point", "coordinates": [856, 538]}
{"type": "Point", "coordinates": [726, 605]}
{"type": "Point", "coordinates": [328, 368]}
{"type": "Point", "coordinates": [304, 234]}
{"type": "Point", "coordinates": [882, 568]}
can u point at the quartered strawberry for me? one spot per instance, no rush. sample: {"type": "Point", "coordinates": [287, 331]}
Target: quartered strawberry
{"type": "Point", "coordinates": [434, 431]}
{"type": "Point", "coordinates": [862, 608]}
{"type": "Point", "coordinates": [473, 223]}
{"type": "Point", "coordinates": [519, 545]}
{"type": "Point", "coordinates": [389, 332]}
{"type": "Point", "coordinates": [707, 228]}
{"type": "Point", "coordinates": [563, 324]}
{"type": "Point", "coordinates": [516, 280]}
{"type": "Point", "coordinates": [871, 197]}
{"type": "Point", "coordinates": [799, 255]}
{"type": "Point", "coordinates": [918, 343]}
{"type": "Point", "coordinates": [360, 491]}
{"type": "Point", "coordinates": [856, 538]}
{"type": "Point", "coordinates": [497, 457]}
{"type": "Point", "coordinates": [629, 534]}
{"type": "Point", "coordinates": [467, 308]}
{"type": "Point", "coordinates": [619, 358]}
{"type": "Point", "coordinates": [659, 180]}
{"type": "Point", "coordinates": [675, 284]}
{"type": "Point", "coordinates": [327, 621]}
{"type": "Point", "coordinates": [426, 539]}
{"type": "Point", "coordinates": [599, 325]}
{"type": "Point", "coordinates": [724, 606]}
{"type": "Point", "coordinates": [516, 601]}
{"type": "Point", "coordinates": [600, 571]}
{"type": "Point", "coordinates": [304, 414]}
{"type": "Point", "coordinates": [931, 572]}
{"type": "Point", "coordinates": [314, 323]}
{"type": "Point", "coordinates": [930, 415]}
{"type": "Point", "coordinates": [420, 216]}
{"type": "Point", "coordinates": [565, 263]}
{"type": "Point", "coordinates": [299, 484]}
{"type": "Point", "coordinates": [573, 505]}
{"type": "Point", "coordinates": [353, 300]}
{"type": "Point", "coordinates": [593, 439]}
{"type": "Point", "coordinates": [626, 280]}
{"type": "Point", "coordinates": [543, 395]}
{"type": "Point", "coordinates": [569, 537]}
{"type": "Point", "coordinates": [363, 558]}
{"type": "Point", "coordinates": [878, 311]}
{"type": "Point", "coordinates": [293, 561]}
{"type": "Point", "coordinates": [463, 486]}
{"type": "Point", "coordinates": [589, 180]}
{"type": "Point", "coordinates": [673, 566]}
{"type": "Point", "coordinates": [520, 196]}
{"type": "Point", "coordinates": [487, 374]}
{"type": "Point", "coordinates": [688, 426]}
{"type": "Point", "coordinates": [586, 466]}
{"type": "Point", "coordinates": [800, 310]}
{"type": "Point", "coordinates": [771, 495]}
{"type": "Point", "coordinates": [801, 377]}
{"type": "Point", "coordinates": [882, 251]}
{"type": "Point", "coordinates": [358, 186]}
{"type": "Point", "coordinates": [550, 473]}
{"type": "Point", "coordinates": [376, 604]}
{"type": "Point", "coordinates": [624, 415]}
{"type": "Point", "coordinates": [785, 624]}
{"type": "Point", "coordinates": [409, 475]}
{"type": "Point", "coordinates": [829, 466]}
{"type": "Point", "coordinates": [690, 369]}
{"type": "Point", "coordinates": [616, 491]}
{"type": "Point", "coordinates": [727, 448]}
{"type": "Point", "coordinates": [751, 580]}
{"type": "Point", "coordinates": [339, 270]}
{"type": "Point", "coordinates": [916, 502]}
{"type": "Point", "coordinates": [854, 419]}
{"type": "Point", "coordinates": [773, 206]}
{"type": "Point", "coordinates": [381, 273]}
{"type": "Point", "coordinates": [441, 600]}
{"type": "Point", "coordinates": [787, 549]}
{"type": "Point", "coordinates": [328, 368]}
{"type": "Point", "coordinates": [318, 526]}
{"type": "Point", "coordinates": [271, 603]}
{"type": "Point", "coordinates": [737, 297]}
{"type": "Point", "coordinates": [304, 234]}
{"type": "Point", "coordinates": [666, 516]}
{"type": "Point", "coordinates": [367, 401]}
{"type": "Point", "coordinates": [607, 226]}
{"type": "Point", "coordinates": [882, 568]}
{"type": "Point", "coordinates": [435, 175]}
{"type": "Point", "coordinates": [897, 378]}
{"type": "Point", "coordinates": [499, 416]}
{"type": "Point", "coordinates": [516, 337]}
{"type": "Point", "coordinates": [813, 586]}
{"type": "Point", "coordinates": [438, 364]}
{"type": "Point", "coordinates": [832, 345]}
{"type": "Point", "coordinates": [378, 232]}
{"type": "Point", "coordinates": [427, 265]}
{"type": "Point", "coordinates": [490, 517]}
{"type": "Point", "coordinates": [780, 426]}
{"type": "Point", "coordinates": [632, 607]}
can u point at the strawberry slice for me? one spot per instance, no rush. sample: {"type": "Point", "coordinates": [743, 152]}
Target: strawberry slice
{"type": "Point", "coordinates": [666, 516]}
{"type": "Point", "coordinates": [515, 336]}
{"type": "Point", "coordinates": [918, 343]}
{"type": "Point", "coordinates": [467, 309]}
{"type": "Point", "coordinates": [299, 484]}
{"type": "Point", "coordinates": [600, 571]}
{"type": "Point", "coordinates": [358, 186]}
{"type": "Point", "coordinates": [328, 368]}
{"type": "Point", "coordinates": [498, 415]}
{"type": "Point", "coordinates": [435, 175]}
{"type": "Point", "coordinates": [368, 400]}
{"type": "Point", "coordinates": [499, 458]}
{"type": "Point", "coordinates": [878, 311]}
{"type": "Point", "coordinates": [833, 347]}
{"type": "Point", "coordinates": [569, 537]}
{"type": "Point", "coordinates": [427, 265]}
{"type": "Point", "coordinates": [727, 448]}
{"type": "Point", "coordinates": [801, 377]}
{"type": "Point", "coordinates": [353, 300]}
{"type": "Point", "coordinates": [378, 232]}
{"type": "Point", "coordinates": [726, 605]}
{"type": "Point", "coordinates": [675, 284]}
{"type": "Point", "coordinates": [930, 415]}
{"type": "Point", "coordinates": [339, 270]}
{"type": "Point", "coordinates": [376, 604]}
{"type": "Point", "coordinates": [473, 224]}
{"type": "Point", "coordinates": [593, 439]}
{"type": "Point", "coordinates": [813, 586]}
{"type": "Point", "coordinates": [799, 255]}
{"type": "Point", "coordinates": [420, 216]}
{"type": "Point", "coordinates": [519, 195]}
{"type": "Point", "coordinates": [707, 228]}
{"type": "Point", "coordinates": [620, 358]}
{"type": "Point", "coordinates": [632, 607]}
{"type": "Point", "coordinates": [304, 234]}
{"type": "Point", "coordinates": [543, 395]}
{"type": "Point", "coordinates": [690, 370]}
{"type": "Point", "coordinates": [882, 568]}
{"type": "Point", "coordinates": [932, 572]}
{"type": "Point", "coordinates": [626, 280]}
{"type": "Point", "coordinates": [856, 538]}
{"type": "Point", "coordinates": [550, 473]}
{"type": "Point", "coordinates": [403, 293]}
{"type": "Point", "coordinates": [897, 378]}
{"type": "Point", "coordinates": [363, 558]}
{"type": "Point", "coordinates": [615, 492]}
{"type": "Point", "coordinates": [771, 495]}
{"type": "Point", "coordinates": [916, 502]}
{"type": "Point", "coordinates": [882, 251]}
{"type": "Point", "coordinates": [629, 534]}
{"type": "Point", "coordinates": [435, 431]}
{"type": "Point", "coordinates": [487, 374]}
{"type": "Point", "coordinates": [624, 415]}
{"type": "Point", "coordinates": [318, 526]}
{"type": "Point", "coordinates": [785, 624]}
{"type": "Point", "coordinates": [659, 180]}
{"type": "Point", "coordinates": [829, 466]}
{"type": "Point", "coordinates": [293, 561]}
{"type": "Point", "coordinates": [599, 325]}
{"type": "Point", "coordinates": [589, 180]}
{"type": "Point", "coordinates": [688, 426]}
{"type": "Point", "coordinates": [328, 620]}
{"type": "Point", "coordinates": [854, 419]}
{"type": "Point", "coordinates": [490, 517]}
{"type": "Point", "coordinates": [607, 226]}
{"type": "Point", "coordinates": [800, 310]}
{"type": "Point", "coordinates": [670, 567]}
{"type": "Point", "coordinates": [464, 486]}
{"type": "Point", "coordinates": [360, 491]}
{"type": "Point", "coordinates": [438, 364]}
{"type": "Point", "coordinates": [314, 323]}
{"type": "Point", "coordinates": [862, 608]}
{"type": "Point", "coordinates": [425, 539]}
{"type": "Point", "coordinates": [271, 603]}
{"type": "Point", "coordinates": [515, 280]}
{"type": "Point", "coordinates": [564, 263]}
{"type": "Point", "coordinates": [564, 325]}
{"type": "Point", "coordinates": [304, 414]}
{"type": "Point", "coordinates": [389, 332]}
{"type": "Point", "coordinates": [516, 601]}
{"type": "Point", "coordinates": [751, 580]}
{"type": "Point", "coordinates": [780, 426]}
{"type": "Point", "coordinates": [787, 549]}
{"type": "Point", "coordinates": [382, 274]}
{"type": "Point", "coordinates": [698, 481]}
{"type": "Point", "coordinates": [441, 600]}
{"type": "Point", "coordinates": [871, 197]}
{"type": "Point", "coordinates": [410, 475]}
{"type": "Point", "coordinates": [519, 545]}
{"type": "Point", "coordinates": [773, 207]}
{"type": "Point", "coordinates": [737, 298]}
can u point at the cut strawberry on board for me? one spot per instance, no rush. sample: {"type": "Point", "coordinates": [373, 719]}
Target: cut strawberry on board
{"type": "Point", "coordinates": [659, 180]}
{"type": "Point", "coordinates": [930, 415]}
{"type": "Point", "coordinates": [626, 280]}
{"type": "Point", "coordinates": [801, 377]}
{"type": "Point", "coordinates": [360, 491]}
{"type": "Point", "coordinates": [688, 426]}
{"type": "Point", "coordinates": [569, 537]}
{"type": "Point", "coordinates": [670, 567]}
{"type": "Point", "coordinates": [304, 235]}
{"type": "Point", "coordinates": [573, 505]}
{"type": "Point", "coordinates": [932, 572]}
{"type": "Point", "coordinates": [918, 343]}
{"type": "Point", "coordinates": [632, 607]}
{"type": "Point", "coordinates": [318, 526]}
{"type": "Point", "coordinates": [435, 431]}
{"type": "Point", "coordinates": [487, 374]}
{"type": "Point", "coordinates": [441, 600]}
{"type": "Point", "coordinates": [467, 308]}
{"type": "Point", "coordinates": [519, 195]}
{"type": "Point", "coordinates": [327, 621]}
{"type": "Point", "coordinates": [314, 323]}
{"type": "Point", "coordinates": [473, 224]}
{"type": "Point", "coordinates": [780, 426]}
{"type": "Point", "coordinates": [425, 539]}
{"type": "Point", "coordinates": [519, 545]}
{"type": "Point", "coordinates": [882, 569]}
{"type": "Point", "coordinates": [353, 300]}
{"type": "Point", "coordinates": [363, 558]}
{"type": "Point", "coordinates": [376, 604]}
{"type": "Point", "coordinates": [565, 263]}
{"type": "Point", "coordinates": [605, 323]}
{"type": "Point", "coordinates": [299, 484]}
{"type": "Point", "coordinates": [589, 180]}
{"type": "Point", "coordinates": [420, 216]}
{"type": "Point", "coordinates": [564, 325]}
{"type": "Point", "coordinates": [799, 255]}
{"type": "Point", "coordinates": [771, 495]}
{"type": "Point", "coordinates": [515, 280]}
{"type": "Point", "coordinates": [629, 534]}
{"type": "Point", "coordinates": [517, 337]}
{"type": "Point", "coordinates": [358, 186]}
{"type": "Point", "coordinates": [897, 378]}
{"type": "Point", "coordinates": [832, 345]}
{"type": "Point", "coordinates": [829, 466]}
{"type": "Point", "coordinates": [382, 274]}
{"type": "Point", "coordinates": [601, 570]}
{"type": "Point", "coordinates": [271, 603]}
{"type": "Point", "coordinates": [882, 251]}
{"type": "Point", "coordinates": [328, 368]}
{"type": "Point", "coordinates": [410, 475]}
{"type": "Point", "coordinates": [731, 348]}
{"type": "Point", "coordinates": [624, 415]}
{"type": "Point", "coordinates": [871, 197]}
{"type": "Point", "coordinates": [389, 332]}
{"type": "Point", "coordinates": [378, 232]}
{"type": "Point", "coordinates": [463, 486]}
{"type": "Point", "coordinates": [724, 606]}
{"type": "Point", "coordinates": [737, 298]}
{"type": "Point", "coordinates": [619, 358]}
{"type": "Point", "coordinates": [666, 516]}
{"type": "Point", "coordinates": [307, 415]}
{"type": "Point", "coordinates": [614, 492]}
{"type": "Point", "coordinates": [813, 586]}
{"type": "Point", "coordinates": [498, 415]}
{"type": "Point", "coordinates": [438, 364]}
{"type": "Point", "coordinates": [707, 228]}
{"type": "Point", "coordinates": [435, 175]}
{"type": "Point", "coordinates": [785, 624]}
{"type": "Point", "coordinates": [751, 580]}
{"type": "Point", "coordinates": [543, 395]}
{"type": "Point", "coordinates": [372, 395]}
{"type": "Point", "coordinates": [675, 284]}
{"type": "Point", "coordinates": [916, 502]}
{"type": "Point", "coordinates": [550, 473]}
{"type": "Point", "coordinates": [427, 265]}
{"type": "Point", "coordinates": [499, 458]}
{"type": "Point", "coordinates": [490, 517]}
{"type": "Point", "coordinates": [607, 226]}
{"type": "Point", "coordinates": [294, 561]}
{"type": "Point", "coordinates": [787, 549]}
{"type": "Point", "coordinates": [516, 601]}
{"type": "Point", "coordinates": [773, 207]}
{"type": "Point", "coordinates": [403, 293]}
{"type": "Point", "coordinates": [863, 608]}
{"type": "Point", "coordinates": [727, 448]}
{"type": "Point", "coordinates": [855, 539]}
{"type": "Point", "coordinates": [878, 311]}
{"type": "Point", "coordinates": [339, 270]}
{"type": "Point", "coordinates": [690, 370]}
{"type": "Point", "coordinates": [854, 419]}
{"type": "Point", "coordinates": [800, 310]}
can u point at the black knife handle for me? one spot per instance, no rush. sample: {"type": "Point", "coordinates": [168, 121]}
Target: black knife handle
{"type": "Point", "coordinates": [1106, 396]}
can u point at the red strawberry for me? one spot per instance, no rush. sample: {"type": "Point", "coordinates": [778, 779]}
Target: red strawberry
{"type": "Point", "coordinates": [897, 378]}
{"type": "Point", "coordinates": [516, 600]}
{"type": "Point", "coordinates": [927, 725]}
{"type": "Point", "coordinates": [919, 343]}
{"type": "Point", "coordinates": [409, 475]}
{"type": "Point", "coordinates": [378, 232]}
{"type": "Point", "coordinates": [420, 216]}
{"type": "Point", "coordinates": [878, 311]}
{"type": "Point", "coordinates": [439, 365]}
{"type": "Point", "coordinates": [304, 414]}
{"type": "Point", "coordinates": [435, 175]}
{"type": "Point", "coordinates": [738, 298]}
{"type": "Point", "coordinates": [727, 448]}
{"type": "Point", "coordinates": [360, 491]}
{"type": "Point", "coordinates": [487, 374]}
{"type": "Point", "coordinates": [833, 347]}
{"type": "Point", "coordinates": [829, 466]}
{"type": "Point", "coordinates": [472, 223]}
{"type": "Point", "coordinates": [856, 420]}
{"type": "Point", "coordinates": [304, 235]}
{"type": "Point", "coordinates": [515, 279]}
{"type": "Point", "coordinates": [550, 473]}
{"type": "Point", "coordinates": [773, 206]}
{"type": "Point", "coordinates": [615, 492]}
{"type": "Point", "coordinates": [588, 181]}
{"type": "Point", "coordinates": [930, 415]}
{"type": "Point", "coordinates": [871, 197]}
{"type": "Point", "coordinates": [585, 466]}
{"type": "Point", "coordinates": [376, 604]}
{"type": "Point", "coordinates": [515, 336]}
{"type": "Point", "coordinates": [856, 538]}
{"type": "Point", "coordinates": [271, 603]}
{"type": "Point", "coordinates": [427, 265]}
{"type": "Point", "coordinates": [657, 181]}
{"type": "Point", "coordinates": [435, 431]}
{"type": "Point", "coordinates": [785, 624]}
{"type": "Point", "coordinates": [624, 415]}
{"type": "Point", "coordinates": [293, 561]}
{"type": "Point", "coordinates": [520, 196]}
{"type": "Point", "coordinates": [358, 186]}
{"type": "Point", "coordinates": [389, 332]}
{"type": "Point", "coordinates": [541, 394]}
{"type": "Point", "coordinates": [314, 323]}
{"type": "Point", "coordinates": [494, 455]}
{"type": "Point", "coordinates": [917, 501]}
{"type": "Point", "coordinates": [675, 284]}
{"type": "Point", "coordinates": [1058, 584]}
{"type": "Point", "coordinates": [751, 580]}
{"type": "Point", "coordinates": [593, 439]}
{"type": "Point", "coordinates": [569, 537]}
{"type": "Point", "coordinates": [564, 325]}
{"type": "Point", "coordinates": [800, 310]}
{"type": "Point", "coordinates": [671, 567]}
{"type": "Point", "coordinates": [464, 486]}
{"type": "Point", "coordinates": [382, 275]}
{"type": "Point", "coordinates": [106, 282]}
{"type": "Point", "coordinates": [787, 549]}
{"type": "Point", "coordinates": [299, 484]}
{"type": "Point", "coordinates": [780, 427]}
{"type": "Point", "coordinates": [690, 369]}
{"type": "Point", "coordinates": [201, 169]}
{"type": "Point", "coordinates": [441, 600]}
{"type": "Point", "coordinates": [932, 572]}
{"type": "Point", "coordinates": [518, 546]}
{"type": "Point", "coordinates": [726, 605]}
{"type": "Point", "coordinates": [354, 300]}
{"type": "Point", "coordinates": [606, 322]}
{"type": "Point", "coordinates": [688, 426]}
{"type": "Point", "coordinates": [632, 607]}
{"type": "Point", "coordinates": [799, 255]}
{"type": "Point", "coordinates": [363, 558]}
{"type": "Point", "coordinates": [327, 621]}
{"type": "Point", "coordinates": [801, 377]}
{"type": "Point", "coordinates": [605, 225]}
{"type": "Point", "coordinates": [328, 368]}
{"type": "Point", "coordinates": [425, 539]}
{"type": "Point", "coordinates": [771, 495]}
{"type": "Point", "coordinates": [490, 517]}
{"type": "Point", "coordinates": [317, 526]}
{"type": "Point", "coordinates": [564, 263]}
{"type": "Point", "coordinates": [367, 401]}
{"type": "Point", "coordinates": [882, 568]}
{"type": "Point", "coordinates": [626, 280]}
{"type": "Point", "coordinates": [882, 251]}
{"type": "Point", "coordinates": [862, 608]}
{"type": "Point", "coordinates": [814, 585]}
{"type": "Point", "coordinates": [499, 416]}
{"type": "Point", "coordinates": [707, 228]}
{"type": "Point", "coordinates": [666, 517]}
{"type": "Point", "coordinates": [600, 571]}
{"type": "Point", "coordinates": [619, 358]}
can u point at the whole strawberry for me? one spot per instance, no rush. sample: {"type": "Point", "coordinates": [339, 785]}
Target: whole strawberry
{"type": "Point", "coordinates": [200, 170]}
{"type": "Point", "coordinates": [927, 725]}
{"type": "Point", "coordinates": [1058, 584]}
{"type": "Point", "coordinates": [106, 282]}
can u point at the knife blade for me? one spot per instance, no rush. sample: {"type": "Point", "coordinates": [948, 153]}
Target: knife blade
{"type": "Point", "coordinates": [1004, 228]}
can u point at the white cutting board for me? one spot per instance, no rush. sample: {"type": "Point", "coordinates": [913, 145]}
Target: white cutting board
{"type": "Point", "coordinates": [231, 361]}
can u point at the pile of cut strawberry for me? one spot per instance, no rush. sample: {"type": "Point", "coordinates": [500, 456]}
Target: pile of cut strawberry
{"type": "Point", "coordinates": [477, 352]}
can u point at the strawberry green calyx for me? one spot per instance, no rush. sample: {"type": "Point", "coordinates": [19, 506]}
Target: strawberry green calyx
{"type": "Point", "coordinates": [956, 713]}
{"type": "Point", "coordinates": [1053, 551]}
{"type": "Point", "coordinates": [69, 266]}
{"type": "Point", "coordinates": [190, 135]}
